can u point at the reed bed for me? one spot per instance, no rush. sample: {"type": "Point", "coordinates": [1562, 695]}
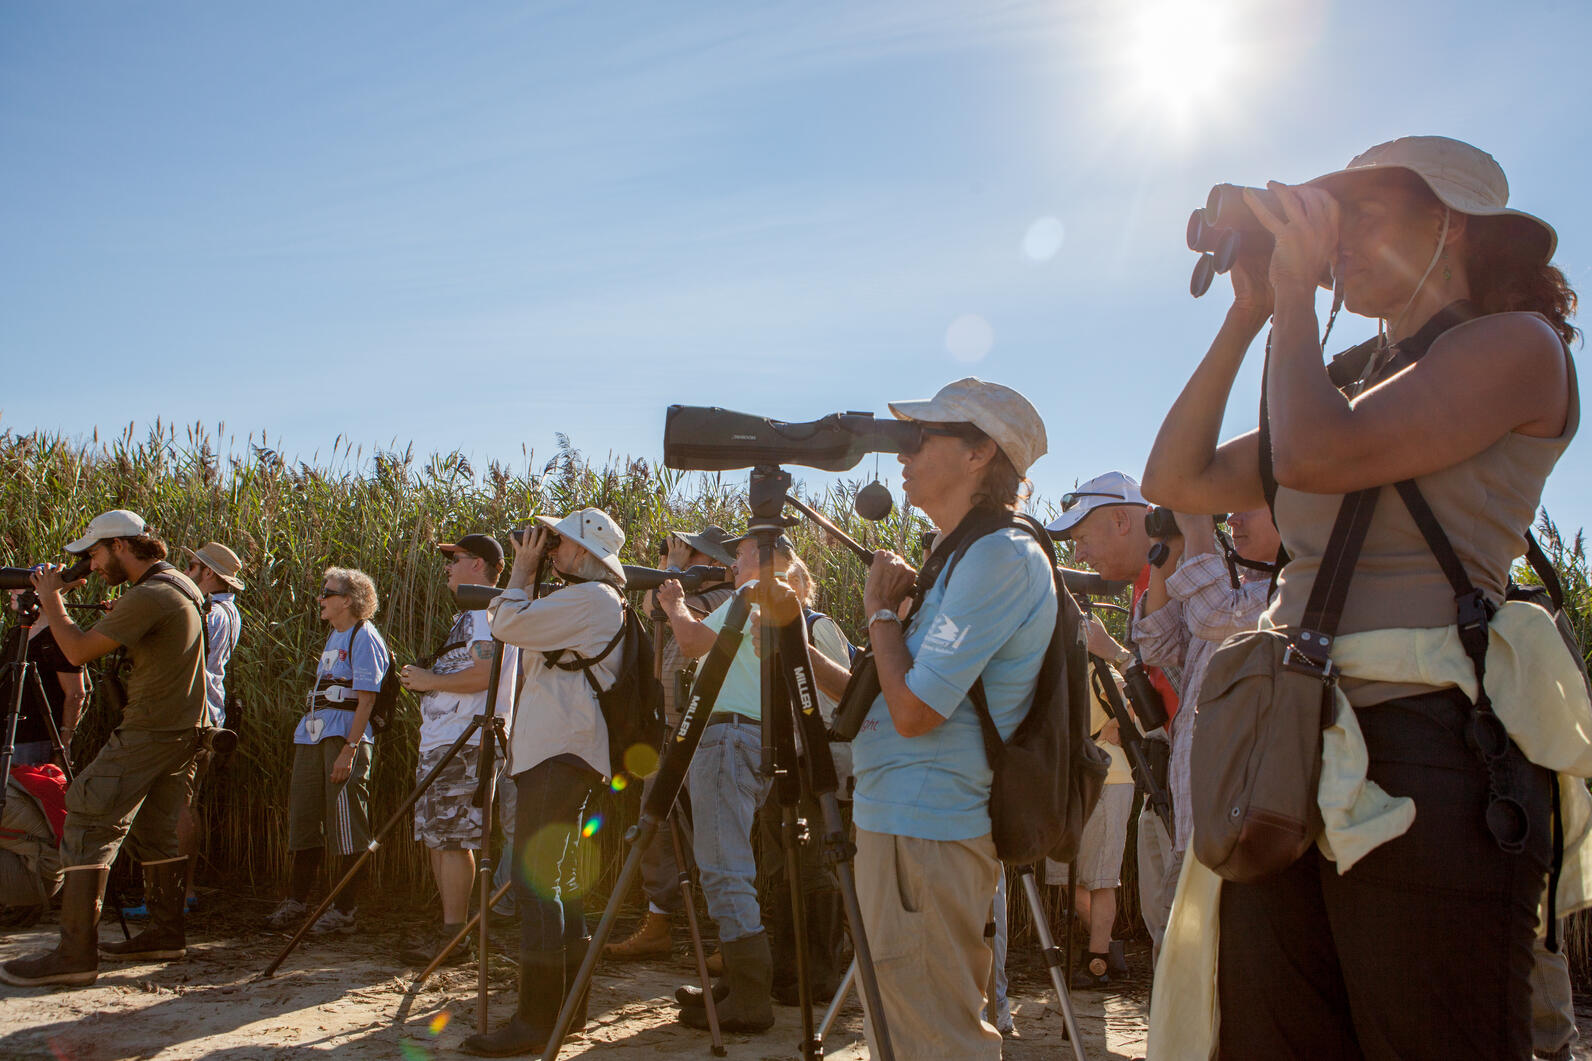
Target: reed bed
{"type": "Point", "coordinates": [383, 513]}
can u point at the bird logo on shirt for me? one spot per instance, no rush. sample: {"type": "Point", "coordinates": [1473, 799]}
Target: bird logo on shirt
{"type": "Point", "coordinates": [945, 635]}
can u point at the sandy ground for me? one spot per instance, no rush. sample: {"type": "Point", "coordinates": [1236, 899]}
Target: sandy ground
{"type": "Point", "coordinates": [350, 997]}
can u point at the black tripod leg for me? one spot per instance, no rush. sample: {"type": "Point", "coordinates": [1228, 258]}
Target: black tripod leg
{"type": "Point", "coordinates": [1053, 959]}
{"type": "Point", "coordinates": [398, 816]}
{"type": "Point", "coordinates": [688, 901]}
{"type": "Point", "coordinates": [657, 803]}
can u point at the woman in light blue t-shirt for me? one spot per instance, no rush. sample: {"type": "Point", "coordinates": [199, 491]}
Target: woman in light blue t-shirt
{"type": "Point", "coordinates": [329, 797]}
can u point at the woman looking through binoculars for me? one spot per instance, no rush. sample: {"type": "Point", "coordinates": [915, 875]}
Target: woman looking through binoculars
{"type": "Point", "coordinates": [1471, 394]}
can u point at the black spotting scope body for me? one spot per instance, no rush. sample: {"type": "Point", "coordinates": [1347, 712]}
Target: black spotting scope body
{"type": "Point", "coordinates": [22, 577]}
{"type": "Point", "coordinates": [641, 578]}
{"type": "Point", "coordinates": [710, 439]}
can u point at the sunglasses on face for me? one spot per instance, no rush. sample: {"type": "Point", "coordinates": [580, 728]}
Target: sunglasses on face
{"type": "Point", "coordinates": [1070, 501]}
{"type": "Point", "coordinates": [966, 432]}
{"type": "Point", "coordinates": [330, 593]}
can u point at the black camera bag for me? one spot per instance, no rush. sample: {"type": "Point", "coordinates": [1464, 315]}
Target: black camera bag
{"type": "Point", "coordinates": [1049, 775]}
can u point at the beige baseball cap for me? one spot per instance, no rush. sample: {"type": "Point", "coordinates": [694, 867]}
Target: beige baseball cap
{"type": "Point", "coordinates": [1000, 412]}
{"type": "Point", "coordinates": [1464, 178]}
{"type": "Point", "coordinates": [218, 558]}
{"type": "Point", "coordinates": [117, 523]}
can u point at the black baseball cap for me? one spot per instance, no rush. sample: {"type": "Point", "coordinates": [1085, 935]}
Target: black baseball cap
{"type": "Point", "coordinates": [482, 545]}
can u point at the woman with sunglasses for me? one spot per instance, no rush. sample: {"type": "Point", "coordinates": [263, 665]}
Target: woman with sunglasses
{"type": "Point", "coordinates": [329, 797]}
{"type": "Point", "coordinates": [1423, 947]}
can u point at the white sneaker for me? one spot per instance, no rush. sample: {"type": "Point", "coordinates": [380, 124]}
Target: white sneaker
{"type": "Point", "coordinates": [288, 913]}
{"type": "Point", "coordinates": [334, 920]}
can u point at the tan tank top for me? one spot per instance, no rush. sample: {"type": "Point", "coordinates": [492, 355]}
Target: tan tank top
{"type": "Point", "coordinates": [1485, 505]}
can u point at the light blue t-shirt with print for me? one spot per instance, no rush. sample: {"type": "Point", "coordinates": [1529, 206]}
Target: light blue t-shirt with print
{"type": "Point", "coordinates": [742, 691]}
{"type": "Point", "coordinates": [356, 655]}
{"type": "Point", "coordinates": [993, 617]}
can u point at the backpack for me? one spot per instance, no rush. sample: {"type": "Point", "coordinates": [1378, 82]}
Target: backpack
{"type": "Point", "coordinates": [812, 621]}
{"type": "Point", "coordinates": [1049, 775]}
{"type": "Point", "coordinates": [633, 706]}
{"type": "Point", "coordinates": [385, 709]}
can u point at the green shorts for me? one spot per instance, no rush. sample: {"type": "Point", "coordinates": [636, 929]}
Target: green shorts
{"type": "Point", "coordinates": [321, 814]}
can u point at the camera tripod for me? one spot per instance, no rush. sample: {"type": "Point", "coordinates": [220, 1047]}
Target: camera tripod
{"type": "Point", "coordinates": [491, 727]}
{"type": "Point", "coordinates": [789, 701]}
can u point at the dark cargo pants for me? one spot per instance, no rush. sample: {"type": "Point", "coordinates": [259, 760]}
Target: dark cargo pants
{"type": "Point", "coordinates": [133, 791]}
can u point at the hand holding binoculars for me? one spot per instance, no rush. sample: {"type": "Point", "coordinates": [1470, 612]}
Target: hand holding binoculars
{"type": "Point", "coordinates": [1225, 228]}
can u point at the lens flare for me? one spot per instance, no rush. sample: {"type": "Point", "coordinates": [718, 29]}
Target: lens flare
{"type": "Point", "coordinates": [620, 783]}
{"type": "Point", "coordinates": [439, 1022]}
{"type": "Point", "coordinates": [641, 759]}
{"type": "Point", "coordinates": [413, 1052]}
{"type": "Point", "coordinates": [969, 338]}
{"type": "Point", "coordinates": [594, 823]}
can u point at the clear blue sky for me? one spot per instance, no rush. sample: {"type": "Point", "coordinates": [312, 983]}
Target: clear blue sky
{"type": "Point", "coordinates": [471, 226]}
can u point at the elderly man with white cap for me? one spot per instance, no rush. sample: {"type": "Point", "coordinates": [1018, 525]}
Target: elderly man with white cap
{"type": "Point", "coordinates": [558, 751]}
{"type": "Point", "coordinates": [135, 788]}
{"type": "Point", "coordinates": [926, 864]}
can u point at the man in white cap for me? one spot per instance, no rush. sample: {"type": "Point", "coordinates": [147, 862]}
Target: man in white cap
{"type": "Point", "coordinates": [135, 788]}
{"type": "Point", "coordinates": [926, 864]}
{"type": "Point", "coordinates": [1104, 519]}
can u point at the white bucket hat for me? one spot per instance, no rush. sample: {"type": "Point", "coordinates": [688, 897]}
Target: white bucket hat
{"type": "Point", "coordinates": [117, 523]}
{"type": "Point", "coordinates": [593, 530]}
{"type": "Point", "coordinates": [218, 558]}
{"type": "Point", "coordinates": [1103, 491]}
{"type": "Point", "coordinates": [1000, 412]}
{"type": "Point", "coordinates": [1464, 178]}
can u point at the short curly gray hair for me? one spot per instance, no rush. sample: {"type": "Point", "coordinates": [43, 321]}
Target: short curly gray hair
{"type": "Point", "coordinates": [358, 586]}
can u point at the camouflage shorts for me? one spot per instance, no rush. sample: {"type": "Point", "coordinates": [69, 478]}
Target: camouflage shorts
{"type": "Point", "coordinates": [444, 818]}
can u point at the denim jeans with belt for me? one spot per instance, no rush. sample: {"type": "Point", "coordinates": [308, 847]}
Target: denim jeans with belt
{"type": "Point", "coordinates": [726, 791]}
{"type": "Point", "coordinates": [551, 798]}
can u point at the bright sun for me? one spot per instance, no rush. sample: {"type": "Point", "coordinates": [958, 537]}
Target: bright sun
{"type": "Point", "coordinates": [1177, 57]}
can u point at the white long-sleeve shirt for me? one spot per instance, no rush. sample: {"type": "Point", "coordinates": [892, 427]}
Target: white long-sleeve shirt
{"type": "Point", "coordinates": [557, 712]}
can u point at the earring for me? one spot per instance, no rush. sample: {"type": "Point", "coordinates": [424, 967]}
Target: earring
{"type": "Point", "coordinates": [1448, 274]}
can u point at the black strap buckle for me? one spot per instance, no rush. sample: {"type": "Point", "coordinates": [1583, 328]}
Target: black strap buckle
{"type": "Point", "coordinates": [1475, 612]}
{"type": "Point", "coordinates": [1310, 652]}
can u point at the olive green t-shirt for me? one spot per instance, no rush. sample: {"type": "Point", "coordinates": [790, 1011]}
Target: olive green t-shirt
{"type": "Point", "coordinates": [160, 628]}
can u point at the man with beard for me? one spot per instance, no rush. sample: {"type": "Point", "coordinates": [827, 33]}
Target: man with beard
{"type": "Point", "coordinates": [136, 787]}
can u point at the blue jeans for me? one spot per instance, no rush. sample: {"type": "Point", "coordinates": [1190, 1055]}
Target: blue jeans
{"type": "Point", "coordinates": [551, 798]}
{"type": "Point", "coordinates": [726, 791]}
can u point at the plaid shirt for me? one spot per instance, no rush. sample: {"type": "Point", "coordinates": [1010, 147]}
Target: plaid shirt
{"type": "Point", "coordinates": [1205, 611]}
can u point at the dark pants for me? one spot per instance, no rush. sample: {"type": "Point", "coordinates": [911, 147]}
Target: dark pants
{"type": "Point", "coordinates": [824, 908]}
{"type": "Point", "coordinates": [1423, 949]}
{"type": "Point", "coordinates": [551, 798]}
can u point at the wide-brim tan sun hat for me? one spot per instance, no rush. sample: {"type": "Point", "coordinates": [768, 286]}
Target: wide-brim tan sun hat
{"type": "Point", "coordinates": [218, 558]}
{"type": "Point", "coordinates": [593, 530]}
{"type": "Point", "coordinates": [1463, 177]}
{"type": "Point", "coordinates": [1000, 412]}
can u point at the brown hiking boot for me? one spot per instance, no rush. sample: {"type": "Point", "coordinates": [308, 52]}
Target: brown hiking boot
{"type": "Point", "coordinates": [654, 939]}
{"type": "Point", "coordinates": [75, 960]}
{"type": "Point", "coordinates": [715, 963]}
{"type": "Point", "coordinates": [164, 939]}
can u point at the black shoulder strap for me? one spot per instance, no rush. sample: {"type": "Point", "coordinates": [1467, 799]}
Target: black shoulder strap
{"type": "Point", "coordinates": [168, 576]}
{"type": "Point", "coordinates": [569, 660]}
{"type": "Point", "coordinates": [1546, 574]}
{"type": "Point", "coordinates": [1330, 590]}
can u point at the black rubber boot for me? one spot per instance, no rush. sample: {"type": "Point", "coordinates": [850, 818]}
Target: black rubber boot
{"type": "Point", "coordinates": [75, 960]}
{"type": "Point", "coordinates": [541, 993]}
{"type": "Point", "coordinates": [164, 939]}
{"type": "Point", "coordinates": [749, 973]}
{"type": "Point", "coordinates": [691, 994]}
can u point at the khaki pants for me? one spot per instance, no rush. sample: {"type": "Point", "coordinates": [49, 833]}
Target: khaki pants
{"type": "Point", "coordinates": [133, 790]}
{"type": "Point", "coordinates": [1157, 883]}
{"type": "Point", "coordinates": [1552, 1008]}
{"type": "Point", "coordinates": [924, 907]}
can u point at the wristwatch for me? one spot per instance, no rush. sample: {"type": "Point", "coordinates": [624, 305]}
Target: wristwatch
{"type": "Point", "coordinates": [883, 615]}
